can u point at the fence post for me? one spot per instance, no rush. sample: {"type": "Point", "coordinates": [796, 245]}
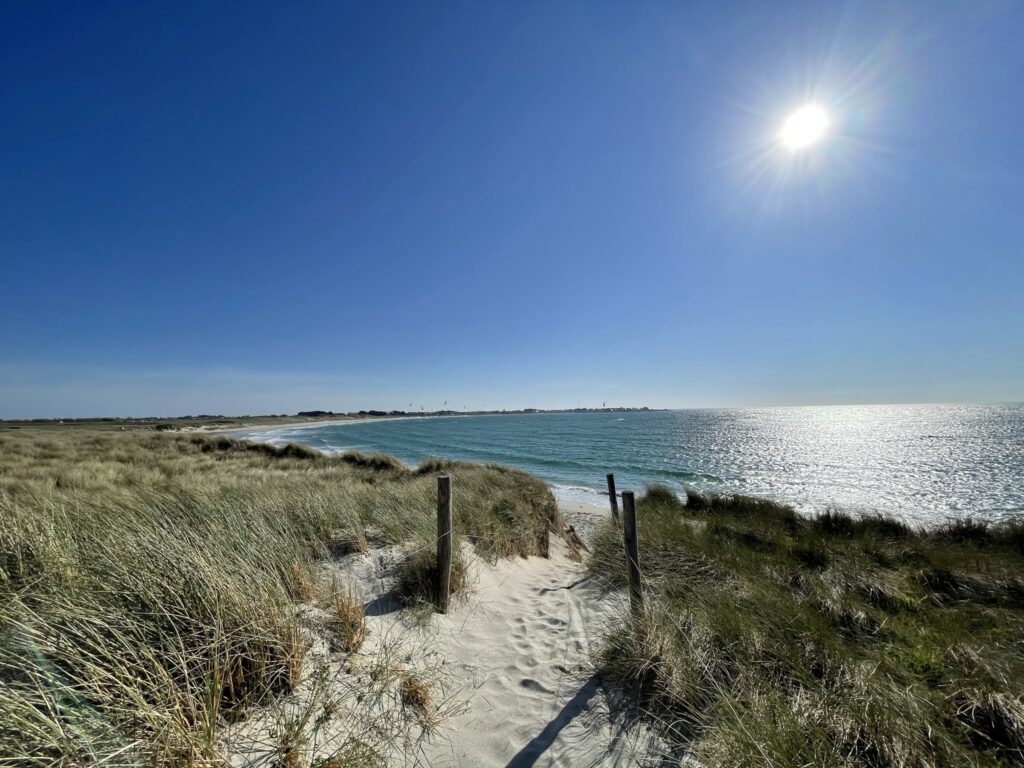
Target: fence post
{"type": "Point", "coordinates": [614, 499]}
{"type": "Point", "coordinates": [636, 595]}
{"type": "Point", "coordinates": [444, 541]}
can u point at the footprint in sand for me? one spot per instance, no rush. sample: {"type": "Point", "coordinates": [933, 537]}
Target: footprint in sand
{"type": "Point", "coordinates": [532, 685]}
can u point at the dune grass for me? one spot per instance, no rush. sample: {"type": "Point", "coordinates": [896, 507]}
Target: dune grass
{"type": "Point", "coordinates": [148, 582]}
{"type": "Point", "coordinates": [774, 639]}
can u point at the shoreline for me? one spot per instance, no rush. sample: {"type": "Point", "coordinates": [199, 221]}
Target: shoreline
{"type": "Point", "coordinates": [341, 419]}
{"type": "Point", "coordinates": [313, 424]}
{"type": "Point", "coordinates": [571, 497]}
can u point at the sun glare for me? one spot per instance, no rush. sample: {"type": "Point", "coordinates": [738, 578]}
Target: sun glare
{"type": "Point", "coordinates": [804, 127]}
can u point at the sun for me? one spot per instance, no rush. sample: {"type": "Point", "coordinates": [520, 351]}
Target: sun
{"type": "Point", "coordinates": [804, 127]}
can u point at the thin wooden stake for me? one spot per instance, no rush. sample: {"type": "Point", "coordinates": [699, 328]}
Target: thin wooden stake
{"type": "Point", "coordinates": [614, 499]}
{"type": "Point", "coordinates": [444, 541]}
{"type": "Point", "coordinates": [636, 594]}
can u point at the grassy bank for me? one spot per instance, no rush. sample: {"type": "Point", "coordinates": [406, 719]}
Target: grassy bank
{"type": "Point", "coordinates": [771, 639]}
{"type": "Point", "coordinates": [148, 582]}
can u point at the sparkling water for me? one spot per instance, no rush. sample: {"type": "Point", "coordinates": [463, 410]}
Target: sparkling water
{"type": "Point", "coordinates": [923, 463]}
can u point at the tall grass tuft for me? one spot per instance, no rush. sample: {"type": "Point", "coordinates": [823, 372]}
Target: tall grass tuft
{"type": "Point", "coordinates": [347, 618]}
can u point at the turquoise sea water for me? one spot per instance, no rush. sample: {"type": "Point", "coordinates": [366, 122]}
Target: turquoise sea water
{"type": "Point", "coordinates": [921, 462]}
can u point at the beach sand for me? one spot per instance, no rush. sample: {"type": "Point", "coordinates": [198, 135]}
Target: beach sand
{"type": "Point", "coordinates": [292, 425]}
{"type": "Point", "coordinates": [509, 665]}
{"type": "Point", "coordinates": [584, 518]}
{"type": "Point", "coordinates": [519, 653]}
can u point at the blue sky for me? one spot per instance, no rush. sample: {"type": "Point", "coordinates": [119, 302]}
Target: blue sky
{"type": "Point", "coordinates": [265, 207]}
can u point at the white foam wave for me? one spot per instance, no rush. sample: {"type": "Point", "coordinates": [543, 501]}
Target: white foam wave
{"type": "Point", "coordinates": [579, 493]}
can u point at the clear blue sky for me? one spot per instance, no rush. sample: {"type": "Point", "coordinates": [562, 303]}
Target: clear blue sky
{"type": "Point", "coordinates": [265, 207]}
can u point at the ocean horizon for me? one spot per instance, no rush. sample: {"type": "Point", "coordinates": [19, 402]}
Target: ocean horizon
{"type": "Point", "coordinates": [921, 463]}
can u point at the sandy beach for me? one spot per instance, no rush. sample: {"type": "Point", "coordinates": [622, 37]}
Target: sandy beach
{"type": "Point", "coordinates": [584, 517]}
{"type": "Point", "coordinates": [312, 424]}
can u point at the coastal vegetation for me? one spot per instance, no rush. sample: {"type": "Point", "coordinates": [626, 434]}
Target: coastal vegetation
{"type": "Point", "coordinates": [773, 639]}
{"type": "Point", "coordinates": [153, 587]}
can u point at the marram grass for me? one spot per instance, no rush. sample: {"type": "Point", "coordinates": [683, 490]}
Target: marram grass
{"type": "Point", "coordinates": [148, 582]}
{"type": "Point", "coordinates": [770, 639]}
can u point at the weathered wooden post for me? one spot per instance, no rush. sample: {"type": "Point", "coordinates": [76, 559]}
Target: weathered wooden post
{"type": "Point", "coordinates": [611, 495]}
{"type": "Point", "coordinates": [444, 541]}
{"type": "Point", "coordinates": [636, 594]}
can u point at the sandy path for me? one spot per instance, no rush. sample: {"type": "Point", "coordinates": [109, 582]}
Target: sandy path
{"type": "Point", "coordinates": [510, 665]}
{"type": "Point", "coordinates": [520, 647]}
{"type": "Point", "coordinates": [516, 655]}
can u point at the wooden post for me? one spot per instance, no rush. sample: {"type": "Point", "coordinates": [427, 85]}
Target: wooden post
{"type": "Point", "coordinates": [614, 499]}
{"type": "Point", "coordinates": [444, 541]}
{"type": "Point", "coordinates": [636, 594]}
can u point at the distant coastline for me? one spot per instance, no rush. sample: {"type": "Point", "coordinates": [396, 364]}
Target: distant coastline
{"type": "Point", "coordinates": [313, 418]}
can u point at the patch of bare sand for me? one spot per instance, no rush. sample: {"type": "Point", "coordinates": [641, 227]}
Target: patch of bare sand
{"type": "Point", "coordinates": [519, 651]}
{"type": "Point", "coordinates": [584, 518]}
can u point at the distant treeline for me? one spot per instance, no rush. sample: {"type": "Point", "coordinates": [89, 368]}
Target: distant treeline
{"type": "Point", "coordinates": [317, 414]}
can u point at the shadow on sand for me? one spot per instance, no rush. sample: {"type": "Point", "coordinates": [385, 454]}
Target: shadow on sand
{"type": "Point", "coordinates": [539, 744]}
{"type": "Point", "coordinates": [382, 606]}
{"type": "Point", "coordinates": [622, 718]}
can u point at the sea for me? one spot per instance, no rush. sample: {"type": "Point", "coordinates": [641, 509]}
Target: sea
{"type": "Point", "coordinates": [922, 463]}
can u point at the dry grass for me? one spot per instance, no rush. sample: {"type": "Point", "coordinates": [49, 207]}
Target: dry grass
{"type": "Point", "coordinates": [148, 581]}
{"type": "Point", "coordinates": [347, 619]}
{"type": "Point", "coordinates": [293, 749]}
{"type": "Point", "coordinates": [772, 639]}
{"type": "Point", "coordinates": [415, 693]}
{"type": "Point", "coordinates": [300, 582]}
{"type": "Point", "coordinates": [354, 754]}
